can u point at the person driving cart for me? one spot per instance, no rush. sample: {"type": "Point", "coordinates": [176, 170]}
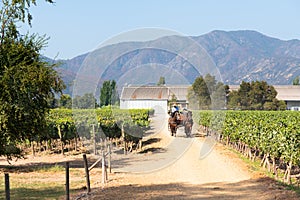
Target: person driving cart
{"type": "Point", "coordinates": [174, 109]}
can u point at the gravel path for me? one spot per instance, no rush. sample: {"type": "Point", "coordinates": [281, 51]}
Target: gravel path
{"type": "Point", "coordinates": [185, 168]}
{"type": "Point", "coordinates": [179, 159]}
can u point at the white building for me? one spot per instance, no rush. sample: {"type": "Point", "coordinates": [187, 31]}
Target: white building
{"type": "Point", "coordinates": [157, 97]}
{"type": "Point", "coordinates": [290, 94]}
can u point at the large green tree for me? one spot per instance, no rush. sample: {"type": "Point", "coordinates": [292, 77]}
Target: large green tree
{"type": "Point", "coordinates": [233, 100]}
{"type": "Point", "coordinates": [108, 93]}
{"type": "Point", "coordinates": [26, 81]}
{"type": "Point", "coordinates": [84, 102]}
{"type": "Point", "coordinates": [244, 95]}
{"type": "Point", "coordinates": [261, 93]}
{"type": "Point", "coordinates": [161, 81]}
{"type": "Point", "coordinates": [207, 93]}
{"type": "Point", "coordinates": [257, 95]}
{"type": "Point", "coordinates": [65, 101]}
{"type": "Point", "coordinates": [296, 81]}
{"type": "Point", "coordinates": [201, 93]}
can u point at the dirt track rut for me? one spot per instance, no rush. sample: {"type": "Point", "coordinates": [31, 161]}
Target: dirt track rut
{"type": "Point", "coordinates": [185, 168]}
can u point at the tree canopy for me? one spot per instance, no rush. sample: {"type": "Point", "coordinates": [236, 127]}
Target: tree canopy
{"type": "Point", "coordinates": [26, 81]}
{"type": "Point", "coordinates": [65, 101]}
{"type": "Point", "coordinates": [296, 81]}
{"type": "Point", "coordinates": [257, 95]}
{"type": "Point", "coordinates": [108, 93]}
{"type": "Point", "coordinates": [161, 81]}
{"type": "Point", "coordinates": [84, 102]}
{"type": "Point", "coordinates": [207, 93]}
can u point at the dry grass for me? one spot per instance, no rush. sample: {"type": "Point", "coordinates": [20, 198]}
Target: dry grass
{"type": "Point", "coordinates": [44, 177]}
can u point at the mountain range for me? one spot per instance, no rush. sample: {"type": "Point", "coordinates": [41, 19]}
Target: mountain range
{"type": "Point", "coordinates": [238, 56]}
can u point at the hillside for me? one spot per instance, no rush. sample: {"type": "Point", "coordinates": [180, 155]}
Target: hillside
{"type": "Point", "coordinates": [238, 55]}
{"type": "Point", "coordinates": [249, 55]}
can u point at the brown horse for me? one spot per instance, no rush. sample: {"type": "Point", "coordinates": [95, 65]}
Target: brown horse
{"type": "Point", "coordinates": [187, 119]}
{"type": "Point", "coordinates": [174, 121]}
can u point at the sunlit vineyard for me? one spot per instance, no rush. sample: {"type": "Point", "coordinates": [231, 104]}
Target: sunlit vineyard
{"type": "Point", "coordinates": [273, 136]}
{"type": "Point", "coordinates": [66, 127]}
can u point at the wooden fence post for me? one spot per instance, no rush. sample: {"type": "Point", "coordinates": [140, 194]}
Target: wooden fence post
{"type": "Point", "coordinates": [67, 181]}
{"type": "Point", "coordinates": [32, 148]}
{"type": "Point", "coordinates": [109, 157]}
{"type": "Point", "coordinates": [124, 141]}
{"type": "Point", "coordinates": [87, 175]}
{"type": "Point", "coordinates": [7, 189]}
{"type": "Point", "coordinates": [140, 144]}
{"type": "Point", "coordinates": [95, 142]}
{"type": "Point", "coordinates": [101, 144]}
{"type": "Point", "coordinates": [103, 168]}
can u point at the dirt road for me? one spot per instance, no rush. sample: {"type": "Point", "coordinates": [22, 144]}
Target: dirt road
{"type": "Point", "coordinates": [184, 168]}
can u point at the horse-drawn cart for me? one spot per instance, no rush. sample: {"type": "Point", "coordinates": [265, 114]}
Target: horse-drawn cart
{"type": "Point", "coordinates": [178, 119]}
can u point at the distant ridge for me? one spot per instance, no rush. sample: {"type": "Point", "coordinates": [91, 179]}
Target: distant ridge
{"type": "Point", "coordinates": [244, 55]}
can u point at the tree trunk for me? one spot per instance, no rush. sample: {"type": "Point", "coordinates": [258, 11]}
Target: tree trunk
{"type": "Point", "coordinates": [62, 147]}
{"type": "Point", "coordinates": [263, 160]}
{"type": "Point", "coordinates": [39, 146]}
{"type": "Point", "coordinates": [267, 162]}
{"type": "Point", "coordinates": [140, 144]}
{"type": "Point", "coordinates": [227, 140]}
{"type": "Point", "coordinates": [50, 144]}
{"type": "Point", "coordinates": [285, 175]}
{"type": "Point", "coordinates": [75, 144]}
{"type": "Point", "coordinates": [276, 173]}
{"type": "Point", "coordinates": [254, 155]}
{"type": "Point", "coordinates": [61, 140]}
{"type": "Point", "coordinates": [289, 168]}
{"type": "Point", "coordinates": [32, 148]}
{"type": "Point", "coordinates": [123, 137]}
{"type": "Point", "coordinates": [250, 153]}
{"type": "Point", "coordinates": [273, 164]}
{"type": "Point", "coordinates": [243, 150]}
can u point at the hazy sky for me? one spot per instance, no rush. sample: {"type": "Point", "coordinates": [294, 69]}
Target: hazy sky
{"type": "Point", "coordinates": [79, 26]}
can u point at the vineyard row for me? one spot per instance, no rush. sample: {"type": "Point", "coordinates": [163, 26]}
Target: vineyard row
{"type": "Point", "coordinates": [272, 135]}
{"type": "Point", "coordinates": [64, 126]}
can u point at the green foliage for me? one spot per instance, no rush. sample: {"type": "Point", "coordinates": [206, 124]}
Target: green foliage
{"type": "Point", "coordinates": [244, 95]}
{"type": "Point", "coordinates": [109, 94]}
{"type": "Point", "coordinates": [207, 93]}
{"type": "Point", "coordinates": [233, 100]}
{"type": "Point", "coordinates": [26, 82]}
{"type": "Point", "coordinates": [161, 81]}
{"type": "Point", "coordinates": [272, 132]}
{"type": "Point", "coordinates": [65, 101]}
{"type": "Point", "coordinates": [87, 101]}
{"type": "Point", "coordinates": [66, 124]}
{"type": "Point", "coordinates": [53, 102]}
{"type": "Point", "coordinates": [60, 124]}
{"type": "Point", "coordinates": [16, 10]}
{"type": "Point", "coordinates": [201, 92]}
{"type": "Point", "coordinates": [257, 95]}
{"type": "Point", "coordinates": [296, 81]}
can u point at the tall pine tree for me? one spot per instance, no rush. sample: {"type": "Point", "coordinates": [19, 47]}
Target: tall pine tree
{"type": "Point", "coordinates": [108, 93]}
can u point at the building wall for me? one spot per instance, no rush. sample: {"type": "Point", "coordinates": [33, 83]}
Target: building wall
{"type": "Point", "coordinates": [160, 106]}
{"type": "Point", "coordinates": [293, 105]}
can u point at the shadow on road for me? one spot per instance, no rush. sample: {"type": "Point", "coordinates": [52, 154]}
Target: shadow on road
{"type": "Point", "coordinates": [151, 141]}
{"type": "Point", "coordinates": [152, 150]}
{"type": "Point", "coordinates": [261, 188]}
